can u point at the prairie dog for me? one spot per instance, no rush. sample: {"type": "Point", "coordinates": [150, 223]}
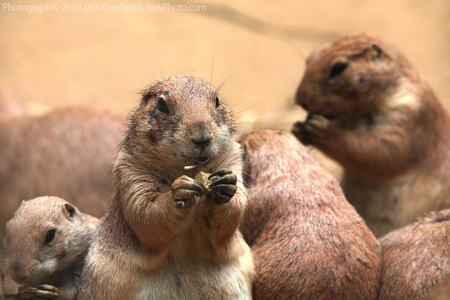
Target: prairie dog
{"type": "Point", "coordinates": [66, 152]}
{"type": "Point", "coordinates": [46, 242]}
{"type": "Point", "coordinates": [374, 114]}
{"type": "Point", "coordinates": [416, 257]}
{"type": "Point", "coordinates": [164, 236]}
{"type": "Point", "coordinates": [308, 241]}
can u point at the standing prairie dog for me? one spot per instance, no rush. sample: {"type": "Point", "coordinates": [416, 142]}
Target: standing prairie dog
{"type": "Point", "coordinates": [374, 114]}
{"type": "Point", "coordinates": [308, 241]}
{"type": "Point", "coordinates": [46, 242]}
{"type": "Point", "coordinates": [164, 235]}
{"type": "Point", "coordinates": [416, 257]}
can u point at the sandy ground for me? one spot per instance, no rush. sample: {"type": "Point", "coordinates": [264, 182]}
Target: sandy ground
{"type": "Point", "coordinates": [81, 52]}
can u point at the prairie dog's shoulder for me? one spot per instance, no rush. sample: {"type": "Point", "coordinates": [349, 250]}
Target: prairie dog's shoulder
{"type": "Point", "coordinates": [415, 257]}
{"type": "Point", "coordinates": [9, 108]}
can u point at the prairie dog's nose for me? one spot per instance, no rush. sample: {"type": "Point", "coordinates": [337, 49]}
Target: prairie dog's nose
{"type": "Point", "coordinates": [202, 136]}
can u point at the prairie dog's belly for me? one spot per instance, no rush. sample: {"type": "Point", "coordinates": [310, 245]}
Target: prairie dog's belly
{"type": "Point", "coordinates": [390, 205]}
{"type": "Point", "coordinates": [189, 281]}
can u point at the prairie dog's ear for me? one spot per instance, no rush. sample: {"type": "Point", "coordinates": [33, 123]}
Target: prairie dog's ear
{"type": "Point", "coordinates": [146, 95]}
{"type": "Point", "coordinates": [376, 52]}
{"type": "Point", "coordinates": [71, 212]}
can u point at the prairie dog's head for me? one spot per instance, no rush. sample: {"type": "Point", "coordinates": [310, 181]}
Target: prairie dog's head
{"type": "Point", "coordinates": [182, 122]}
{"type": "Point", "coordinates": [45, 235]}
{"type": "Point", "coordinates": [350, 75]}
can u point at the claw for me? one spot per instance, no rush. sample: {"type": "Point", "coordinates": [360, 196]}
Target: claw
{"type": "Point", "coordinates": [221, 197]}
{"type": "Point", "coordinates": [230, 179]}
{"type": "Point", "coordinates": [227, 189]}
{"type": "Point", "coordinates": [220, 173]}
{"type": "Point", "coordinates": [39, 291]}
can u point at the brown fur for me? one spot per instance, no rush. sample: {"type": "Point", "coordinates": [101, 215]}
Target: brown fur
{"type": "Point", "coordinates": [308, 241]}
{"type": "Point", "coordinates": [374, 114]}
{"type": "Point", "coordinates": [67, 152]}
{"type": "Point", "coordinates": [148, 246]}
{"type": "Point", "coordinates": [416, 257]}
{"type": "Point", "coordinates": [32, 261]}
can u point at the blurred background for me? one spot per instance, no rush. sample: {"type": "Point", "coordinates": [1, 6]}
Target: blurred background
{"type": "Point", "coordinates": [105, 52]}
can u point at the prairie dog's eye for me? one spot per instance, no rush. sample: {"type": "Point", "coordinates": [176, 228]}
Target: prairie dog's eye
{"type": "Point", "coordinates": [217, 101]}
{"type": "Point", "coordinates": [162, 106]}
{"type": "Point", "coordinates": [337, 69]}
{"type": "Point", "coordinates": [50, 236]}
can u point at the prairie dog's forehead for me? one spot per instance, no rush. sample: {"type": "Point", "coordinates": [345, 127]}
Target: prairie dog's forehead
{"type": "Point", "coordinates": [345, 46]}
{"type": "Point", "coordinates": [181, 86]}
{"type": "Point", "coordinates": [36, 211]}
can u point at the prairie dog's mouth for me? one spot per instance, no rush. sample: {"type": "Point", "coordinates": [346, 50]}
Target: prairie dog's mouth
{"type": "Point", "coordinates": [192, 164]}
{"type": "Point", "coordinates": [324, 114]}
{"type": "Point", "coordinates": [203, 159]}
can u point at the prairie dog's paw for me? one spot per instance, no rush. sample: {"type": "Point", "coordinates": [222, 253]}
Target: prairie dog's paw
{"type": "Point", "coordinates": [223, 186]}
{"type": "Point", "coordinates": [316, 127]}
{"type": "Point", "coordinates": [184, 191]}
{"type": "Point", "coordinates": [38, 292]}
{"type": "Point", "coordinates": [300, 133]}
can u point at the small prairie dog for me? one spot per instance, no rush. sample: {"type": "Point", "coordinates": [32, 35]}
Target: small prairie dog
{"type": "Point", "coordinates": [416, 258]}
{"type": "Point", "coordinates": [66, 152]}
{"type": "Point", "coordinates": [46, 242]}
{"type": "Point", "coordinates": [165, 235]}
{"type": "Point", "coordinates": [374, 114]}
{"type": "Point", "coordinates": [308, 241]}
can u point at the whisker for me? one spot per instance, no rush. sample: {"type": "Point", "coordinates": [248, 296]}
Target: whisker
{"type": "Point", "coordinates": [225, 81]}
{"type": "Point", "coordinates": [212, 70]}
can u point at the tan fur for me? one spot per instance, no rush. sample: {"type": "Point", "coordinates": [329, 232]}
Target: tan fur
{"type": "Point", "coordinates": [67, 152]}
{"type": "Point", "coordinates": [416, 258]}
{"type": "Point", "coordinates": [308, 241]}
{"type": "Point", "coordinates": [9, 108]}
{"type": "Point", "coordinates": [147, 246]}
{"type": "Point", "coordinates": [375, 115]}
{"type": "Point", "coordinates": [32, 261]}
{"type": "Point", "coordinates": [440, 292]}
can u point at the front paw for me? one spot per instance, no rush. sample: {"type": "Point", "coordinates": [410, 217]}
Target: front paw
{"type": "Point", "coordinates": [184, 191]}
{"type": "Point", "coordinates": [38, 292]}
{"type": "Point", "coordinates": [300, 133]}
{"type": "Point", "coordinates": [223, 186]}
{"type": "Point", "coordinates": [314, 129]}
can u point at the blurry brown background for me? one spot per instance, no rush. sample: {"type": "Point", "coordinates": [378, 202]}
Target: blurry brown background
{"type": "Point", "coordinates": [255, 50]}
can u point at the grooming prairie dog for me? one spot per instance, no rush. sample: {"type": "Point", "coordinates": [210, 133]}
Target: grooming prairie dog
{"type": "Point", "coordinates": [66, 152]}
{"type": "Point", "coordinates": [416, 258]}
{"type": "Point", "coordinates": [374, 114]}
{"type": "Point", "coordinates": [308, 241]}
{"type": "Point", "coordinates": [46, 243]}
{"type": "Point", "coordinates": [164, 236]}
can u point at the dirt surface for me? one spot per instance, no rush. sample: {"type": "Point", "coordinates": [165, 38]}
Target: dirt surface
{"type": "Point", "coordinates": [82, 52]}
